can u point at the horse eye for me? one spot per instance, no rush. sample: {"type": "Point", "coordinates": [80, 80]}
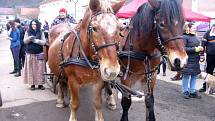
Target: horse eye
{"type": "Point", "coordinates": [94, 29]}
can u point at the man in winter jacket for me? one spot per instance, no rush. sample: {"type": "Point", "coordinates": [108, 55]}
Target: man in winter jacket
{"type": "Point", "coordinates": [63, 17]}
{"type": "Point", "coordinates": [210, 53]}
{"type": "Point", "coordinates": [22, 49]}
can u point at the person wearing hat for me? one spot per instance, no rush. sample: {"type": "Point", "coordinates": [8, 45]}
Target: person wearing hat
{"type": "Point", "coordinates": [63, 17]}
{"type": "Point", "coordinates": [192, 69]}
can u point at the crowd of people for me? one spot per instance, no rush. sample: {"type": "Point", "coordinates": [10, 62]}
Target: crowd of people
{"type": "Point", "coordinates": [26, 45]}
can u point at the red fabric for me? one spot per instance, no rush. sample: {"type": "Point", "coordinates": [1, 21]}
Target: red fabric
{"type": "Point", "coordinates": [130, 9]}
{"type": "Point", "coordinates": [190, 15]}
{"type": "Point", "coordinates": [127, 11]}
{"type": "Point", "coordinates": [63, 10]}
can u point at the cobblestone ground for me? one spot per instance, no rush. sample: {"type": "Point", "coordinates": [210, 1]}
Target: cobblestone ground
{"type": "Point", "coordinates": [21, 104]}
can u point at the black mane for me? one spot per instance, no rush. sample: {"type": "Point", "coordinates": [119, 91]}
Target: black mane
{"type": "Point", "coordinates": [142, 21]}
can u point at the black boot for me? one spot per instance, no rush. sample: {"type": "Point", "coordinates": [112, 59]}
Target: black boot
{"type": "Point", "coordinates": [13, 72]}
{"type": "Point", "coordinates": [18, 74]}
{"type": "Point", "coordinates": [41, 87]}
{"type": "Point", "coordinates": [203, 89]}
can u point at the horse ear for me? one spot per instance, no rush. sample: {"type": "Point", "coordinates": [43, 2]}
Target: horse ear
{"type": "Point", "coordinates": [154, 3]}
{"type": "Point", "coordinates": [95, 5]}
{"type": "Point", "coordinates": [117, 6]}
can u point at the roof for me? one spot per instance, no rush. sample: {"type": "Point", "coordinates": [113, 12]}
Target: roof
{"type": "Point", "coordinates": [7, 11]}
{"type": "Point", "coordinates": [48, 1]}
{"type": "Point", "coordinates": [29, 12]}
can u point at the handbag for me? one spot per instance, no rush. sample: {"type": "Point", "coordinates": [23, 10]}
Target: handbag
{"type": "Point", "coordinates": [40, 56]}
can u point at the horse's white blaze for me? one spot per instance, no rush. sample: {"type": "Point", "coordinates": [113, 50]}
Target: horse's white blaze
{"type": "Point", "coordinates": [108, 23]}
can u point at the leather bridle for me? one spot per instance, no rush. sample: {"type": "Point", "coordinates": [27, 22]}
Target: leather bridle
{"type": "Point", "coordinates": [90, 31]}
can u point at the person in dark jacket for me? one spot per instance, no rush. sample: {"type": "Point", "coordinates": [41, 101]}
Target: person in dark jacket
{"type": "Point", "coordinates": [192, 69]}
{"type": "Point", "coordinates": [63, 17]}
{"type": "Point", "coordinates": [22, 49]}
{"type": "Point", "coordinates": [14, 36]}
{"type": "Point", "coordinates": [34, 62]}
{"type": "Point", "coordinates": [46, 30]}
{"type": "Point", "coordinates": [209, 45]}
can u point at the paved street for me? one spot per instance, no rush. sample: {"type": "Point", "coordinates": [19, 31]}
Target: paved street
{"type": "Point", "coordinates": [21, 104]}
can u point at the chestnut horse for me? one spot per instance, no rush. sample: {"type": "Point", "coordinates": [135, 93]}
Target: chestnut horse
{"type": "Point", "coordinates": [88, 53]}
{"type": "Point", "coordinates": [154, 30]}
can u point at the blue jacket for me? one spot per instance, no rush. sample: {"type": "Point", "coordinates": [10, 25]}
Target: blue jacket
{"type": "Point", "coordinates": [192, 67]}
{"type": "Point", "coordinates": [15, 35]}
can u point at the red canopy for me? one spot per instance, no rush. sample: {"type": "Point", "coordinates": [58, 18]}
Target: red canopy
{"type": "Point", "coordinates": [190, 15]}
{"type": "Point", "coordinates": [128, 10]}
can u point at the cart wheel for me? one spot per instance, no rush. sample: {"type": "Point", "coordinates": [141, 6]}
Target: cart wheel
{"type": "Point", "coordinates": [0, 100]}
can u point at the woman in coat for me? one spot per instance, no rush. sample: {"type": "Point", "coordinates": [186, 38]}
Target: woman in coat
{"type": "Point", "coordinates": [192, 69]}
{"type": "Point", "coordinates": [34, 63]}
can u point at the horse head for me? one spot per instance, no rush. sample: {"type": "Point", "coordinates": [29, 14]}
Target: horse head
{"type": "Point", "coordinates": [103, 30]}
{"type": "Point", "coordinates": [169, 20]}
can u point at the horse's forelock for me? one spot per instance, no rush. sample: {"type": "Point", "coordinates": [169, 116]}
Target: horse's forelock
{"type": "Point", "coordinates": [100, 5]}
{"type": "Point", "coordinates": [106, 6]}
{"type": "Point", "coordinates": [142, 21]}
{"type": "Point", "coordinates": [171, 10]}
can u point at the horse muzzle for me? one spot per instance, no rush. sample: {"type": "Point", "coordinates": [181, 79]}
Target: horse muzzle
{"type": "Point", "coordinates": [109, 73]}
{"type": "Point", "coordinates": [177, 63]}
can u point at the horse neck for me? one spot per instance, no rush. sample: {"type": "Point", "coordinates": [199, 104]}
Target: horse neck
{"type": "Point", "coordinates": [83, 34]}
{"type": "Point", "coordinates": [142, 43]}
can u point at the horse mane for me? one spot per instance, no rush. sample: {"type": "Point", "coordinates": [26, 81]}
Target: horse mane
{"type": "Point", "coordinates": [143, 21]}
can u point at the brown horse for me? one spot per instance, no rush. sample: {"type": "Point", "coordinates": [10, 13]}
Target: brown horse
{"type": "Point", "coordinates": [87, 54]}
{"type": "Point", "coordinates": [155, 29]}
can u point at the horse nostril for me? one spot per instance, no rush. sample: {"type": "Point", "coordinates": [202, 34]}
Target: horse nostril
{"type": "Point", "coordinates": [105, 71]}
{"type": "Point", "coordinates": [113, 74]}
{"type": "Point", "coordinates": [110, 74]}
{"type": "Point", "coordinates": [177, 63]}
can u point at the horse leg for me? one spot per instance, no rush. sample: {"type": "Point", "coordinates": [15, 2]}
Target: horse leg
{"type": "Point", "coordinates": [125, 103]}
{"type": "Point", "coordinates": [98, 101]}
{"type": "Point", "coordinates": [60, 95]}
{"type": "Point", "coordinates": [74, 99]}
{"type": "Point", "coordinates": [111, 102]}
{"type": "Point", "coordinates": [149, 102]}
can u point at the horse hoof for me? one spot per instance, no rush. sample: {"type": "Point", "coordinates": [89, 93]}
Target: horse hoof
{"type": "Point", "coordinates": [111, 103]}
{"type": "Point", "coordinates": [112, 107]}
{"type": "Point", "coordinates": [60, 105]}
